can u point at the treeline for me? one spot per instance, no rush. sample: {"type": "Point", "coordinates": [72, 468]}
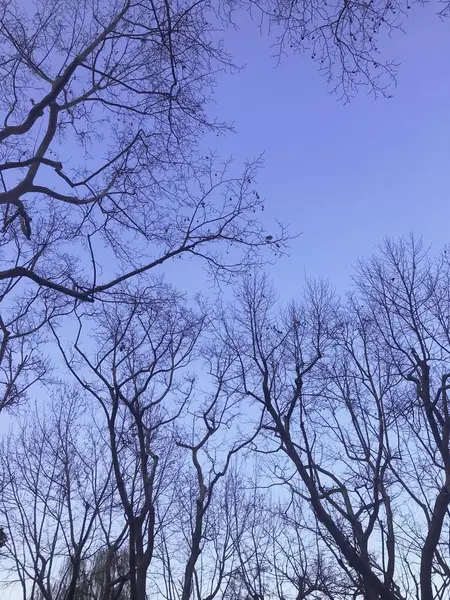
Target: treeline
{"type": "Point", "coordinates": [244, 449]}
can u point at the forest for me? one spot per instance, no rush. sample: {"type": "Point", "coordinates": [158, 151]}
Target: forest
{"type": "Point", "coordinates": [224, 444]}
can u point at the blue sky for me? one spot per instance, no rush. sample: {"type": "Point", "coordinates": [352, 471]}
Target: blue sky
{"type": "Point", "coordinates": [344, 175]}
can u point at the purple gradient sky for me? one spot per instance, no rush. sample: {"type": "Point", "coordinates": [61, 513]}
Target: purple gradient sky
{"type": "Point", "coordinates": [345, 175]}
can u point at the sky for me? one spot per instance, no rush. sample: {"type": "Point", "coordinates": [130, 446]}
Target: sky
{"type": "Point", "coordinates": [344, 176]}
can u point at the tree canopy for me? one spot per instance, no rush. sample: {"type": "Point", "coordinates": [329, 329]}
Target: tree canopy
{"type": "Point", "coordinates": [201, 447]}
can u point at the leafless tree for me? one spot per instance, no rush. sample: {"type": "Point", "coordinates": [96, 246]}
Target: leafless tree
{"type": "Point", "coordinates": [96, 577]}
{"type": "Point", "coordinates": [280, 554]}
{"type": "Point", "coordinates": [173, 438]}
{"type": "Point", "coordinates": [405, 295]}
{"type": "Point", "coordinates": [343, 403]}
{"type": "Point", "coordinates": [56, 487]}
{"type": "Point", "coordinates": [198, 551]}
{"type": "Point", "coordinates": [354, 398]}
{"type": "Point", "coordinates": [214, 441]}
{"type": "Point", "coordinates": [135, 373]}
{"type": "Point", "coordinates": [101, 106]}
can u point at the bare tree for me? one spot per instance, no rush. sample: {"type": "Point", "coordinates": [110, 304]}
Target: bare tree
{"type": "Point", "coordinates": [354, 399]}
{"type": "Point", "coordinates": [101, 105]}
{"type": "Point", "coordinates": [56, 486]}
{"type": "Point", "coordinates": [280, 554]}
{"type": "Point", "coordinates": [133, 375]}
{"type": "Point", "coordinates": [138, 375]}
{"type": "Point", "coordinates": [344, 403]}
{"type": "Point", "coordinates": [96, 577]}
{"type": "Point", "coordinates": [173, 438]}
{"type": "Point", "coordinates": [198, 554]}
{"type": "Point", "coordinates": [214, 442]}
{"type": "Point", "coordinates": [406, 296]}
